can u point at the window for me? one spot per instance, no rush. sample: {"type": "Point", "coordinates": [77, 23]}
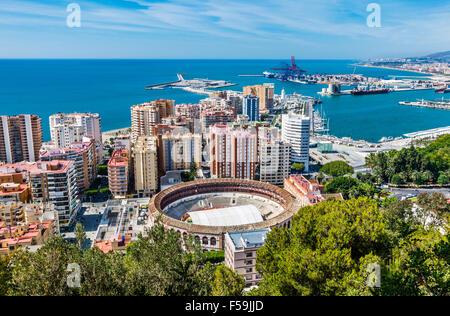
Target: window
{"type": "Point", "coordinates": [205, 240]}
{"type": "Point", "coordinates": [249, 254]}
{"type": "Point", "coordinates": [249, 262]}
{"type": "Point", "coordinates": [213, 241]}
{"type": "Point", "coordinates": [249, 270]}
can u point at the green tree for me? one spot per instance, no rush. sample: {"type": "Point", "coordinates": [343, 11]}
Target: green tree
{"type": "Point", "coordinates": [326, 251]}
{"type": "Point", "coordinates": [44, 272]}
{"type": "Point", "coordinates": [298, 167]}
{"type": "Point", "coordinates": [347, 186]}
{"type": "Point", "coordinates": [337, 168]}
{"type": "Point", "coordinates": [397, 179]}
{"type": "Point", "coordinates": [417, 177]}
{"type": "Point", "coordinates": [102, 170]}
{"type": "Point", "coordinates": [420, 266]}
{"type": "Point", "coordinates": [80, 234]}
{"type": "Point", "coordinates": [159, 265]}
{"type": "Point", "coordinates": [226, 282]}
{"type": "Point", "coordinates": [5, 274]}
{"type": "Point", "coordinates": [443, 179]}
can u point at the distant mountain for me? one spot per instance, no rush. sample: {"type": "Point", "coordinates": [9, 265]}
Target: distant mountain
{"type": "Point", "coordinates": [442, 56]}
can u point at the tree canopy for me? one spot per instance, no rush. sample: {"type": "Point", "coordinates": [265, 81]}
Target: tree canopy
{"type": "Point", "coordinates": [163, 263]}
{"type": "Point", "coordinates": [332, 247]}
{"type": "Point", "coordinates": [336, 168]}
{"type": "Point", "coordinates": [413, 165]}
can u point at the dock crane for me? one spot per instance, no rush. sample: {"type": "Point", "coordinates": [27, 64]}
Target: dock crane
{"type": "Point", "coordinates": [290, 69]}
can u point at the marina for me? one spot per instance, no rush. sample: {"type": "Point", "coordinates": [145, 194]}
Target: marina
{"type": "Point", "coordinates": [196, 85]}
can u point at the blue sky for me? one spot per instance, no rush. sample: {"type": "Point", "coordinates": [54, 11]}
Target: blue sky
{"type": "Point", "coordinates": [250, 29]}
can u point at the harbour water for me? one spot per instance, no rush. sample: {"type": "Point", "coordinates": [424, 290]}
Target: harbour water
{"type": "Point", "coordinates": [110, 87]}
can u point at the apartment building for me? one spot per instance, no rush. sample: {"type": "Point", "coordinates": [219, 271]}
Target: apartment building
{"type": "Point", "coordinates": [146, 115]}
{"type": "Point", "coordinates": [250, 107]}
{"type": "Point", "coordinates": [20, 138]}
{"type": "Point", "coordinates": [179, 151]}
{"type": "Point", "coordinates": [233, 153]}
{"type": "Point", "coordinates": [240, 253]}
{"type": "Point", "coordinates": [119, 173]}
{"type": "Point", "coordinates": [265, 94]}
{"type": "Point", "coordinates": [214, 116]}
{"type": "Point", "coordinates": [17, 236]}
{"type": "Point", "coordinates": [296, 130]}
{"type": "Point", "coordinates": [274, 156]}
{"type": "Point", "coordinates": [15, 213]}
{"type": "Point", "coordinates": [146, 173]}
{"type": "Point", "coordinates": [52, 182]}
{"type": "Point", "coordinates": [83, 155]}
{"type": "Point", "coordinates": [191, 111]}
{"type": "Point", "coordinates": [66, 129]}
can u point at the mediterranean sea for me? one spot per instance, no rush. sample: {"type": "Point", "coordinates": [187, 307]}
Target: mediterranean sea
{"type": "Point", "coordinates": [110, 87]}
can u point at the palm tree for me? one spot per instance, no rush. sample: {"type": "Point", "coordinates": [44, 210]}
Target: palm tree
{"type": "Point", "coordinates": [428, 175]}
{"type": "Point", "coordinates": [417, 177]}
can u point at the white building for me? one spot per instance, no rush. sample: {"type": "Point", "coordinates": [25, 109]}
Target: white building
{"type": "Point", "coordinates": [66, 129]}
{"type": "Point", "coordinates": [240, 253]}
{"type": "Point", "coordinates": [296, 131]}
{"type": "Point", "coordinates": [274, 156]}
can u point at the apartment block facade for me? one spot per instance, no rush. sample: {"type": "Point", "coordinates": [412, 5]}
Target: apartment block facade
{"type": "Point", "coordinates": [66, 129]}
{"type": "Point", "coordinates": [84, 157]}
{"type": "Point", "coordinates": [179, 151]}
{"type": "Point", "coordinates": [265, 94]}
{"type": "Point", "coordinates": [147, 115]}
{"type": "Point", "coordinates": [20, 138]}
{"type": "Point", "coordinates": [119, 173]}
{"type": "Point", "coordinates": [146, 173]}
{"type": "Point", "coordinates": [296, 131]}
{"type": "Point", "coordinates": [240, 253]}
{"type": "Point", "coordinates": [52, 182]}
{"type": "Point", "coordinates": [250, 107]}
{"type": "Point", "coordinates": [233, 153]}
{"type": "Point", "coordinates": [274, 156]}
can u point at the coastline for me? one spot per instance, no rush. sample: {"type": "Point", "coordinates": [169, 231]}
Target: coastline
{"type": "Point", "coordinates": [111, 133]}
{"type": "Point", "coordinates": [399, 69]}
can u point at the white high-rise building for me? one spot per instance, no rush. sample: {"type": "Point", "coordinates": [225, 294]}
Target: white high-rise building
{"type": "Point", "coordinates": [296, 131]}
{"type": "Point", "coordinates": [66, 129]}
{"type": "Point", "coordinates": [274, 156]}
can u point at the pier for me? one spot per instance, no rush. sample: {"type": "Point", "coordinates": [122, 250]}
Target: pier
{"type": "Point", "coordinates": [162, 85]}
{"type": "Point", "coordinates": [197, 85]}
{"type": "Point", "coordinates": [443, 105]}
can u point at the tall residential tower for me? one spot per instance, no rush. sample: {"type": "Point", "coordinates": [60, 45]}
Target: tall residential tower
{"type": "Point", "coordinates": [20, 138]}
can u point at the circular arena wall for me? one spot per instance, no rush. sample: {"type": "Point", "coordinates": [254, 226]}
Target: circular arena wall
{"type": "Point", "coordinates": [211, 237]}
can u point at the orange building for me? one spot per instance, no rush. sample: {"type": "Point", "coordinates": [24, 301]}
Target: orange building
{"type": "Point", "coordinates": [14, 237]}
{"type": "Point", "coordinates": [117, 244]}
{"type": "Point", "coordinates": [119, 172]}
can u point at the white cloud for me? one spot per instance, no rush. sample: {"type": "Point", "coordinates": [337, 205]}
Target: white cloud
{"type": "Point", "coordinates": [275, 21]}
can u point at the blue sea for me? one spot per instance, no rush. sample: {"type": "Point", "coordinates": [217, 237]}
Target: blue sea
{"type": "Point", "coordinates": [110, 87]}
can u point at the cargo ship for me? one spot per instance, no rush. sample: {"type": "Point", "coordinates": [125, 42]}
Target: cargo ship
{"type": "Point", "coordinates": [443, 89]}
{"type": "Point", "coordinates": [268, 74]}
{"type": "Point", "coordinates": [359, 91]}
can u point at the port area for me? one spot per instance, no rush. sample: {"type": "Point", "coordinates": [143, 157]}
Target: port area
{"type": "Point", "coordinates": [378, 87]}
{"type": "Point", "coordinates": [439, 104]}
{"type": "Point", "coordinates": [197, 85]}
{"type": "Point", "coordinates": [354, 152]}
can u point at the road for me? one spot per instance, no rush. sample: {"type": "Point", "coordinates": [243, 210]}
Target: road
{"type": "Point", "coordinates": [399, 193]}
